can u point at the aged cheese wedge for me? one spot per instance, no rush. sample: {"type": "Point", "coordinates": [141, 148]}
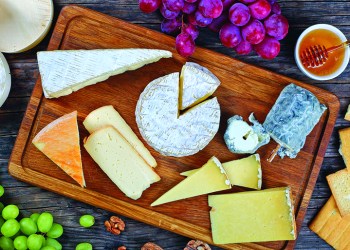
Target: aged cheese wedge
{"type": "Point", "coordinates": [119, 160]}
{"type": "Point", "coordinates": [107, 115]}
{"type": "Point", "coordinates": [344, 149]}
{"type": "Point", "coordinates": [244, 172]}
{"type": "Point", "coordinates": [197, 83]}
{"type": "Point", "coordinates": [339, 183]}
{"type": "Point", "coordinates": [331, 227]}
{"type": "Point", "coordinates": [253, 216]}
{"type": "Point", "coordinates": [164, 129]}
{"type": "Point", "coordinates": [59, 141]}
{"type": "Point", "coordinates": [65, 71]}
{"type": "Point", "coordinates": [210, 178]}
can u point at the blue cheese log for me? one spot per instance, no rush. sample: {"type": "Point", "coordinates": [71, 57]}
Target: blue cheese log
{"type": "Point", "coordinates": [292, 117]}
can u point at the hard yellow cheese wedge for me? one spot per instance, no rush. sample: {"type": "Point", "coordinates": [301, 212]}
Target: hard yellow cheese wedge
{"type": "Point", "coordinates": [244, 172]}
{"type": "Point", "coordinates": [108, 116]}
{"type": "Point", "coordinates": [118, 159]}
{"type": "Point", "coordinates": [252, 216]}
{"type": "Point", "coordinates": [210, 178]}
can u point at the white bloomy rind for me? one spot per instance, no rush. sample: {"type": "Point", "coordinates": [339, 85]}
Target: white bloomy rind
{"type": "Point", "coordinates": [65, 71]}
{"type": "Point", "coordinates": [222, 170]}
{"type": "Point", "coordinates": [291, 208]}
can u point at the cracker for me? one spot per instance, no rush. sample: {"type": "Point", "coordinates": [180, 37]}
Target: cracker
{"type": "Point", "coordinates": [339, 183]}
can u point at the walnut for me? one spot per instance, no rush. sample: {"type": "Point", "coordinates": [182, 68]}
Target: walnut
{"type": "Point", "coordinates": [115, 225]}
{"type": "Point", "coordinates": [151, 246]}
{"type": "Point", "coordinates": [197, 245]}
{"type": "Point", "coordinates": [122, 248]}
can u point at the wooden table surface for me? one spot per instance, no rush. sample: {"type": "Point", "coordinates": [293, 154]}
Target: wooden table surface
{"type": "Point", "coordinates": [24, 70]}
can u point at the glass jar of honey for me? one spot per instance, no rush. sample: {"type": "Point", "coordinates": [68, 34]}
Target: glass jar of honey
{"type": "Point", "coordinates": [327, 36]}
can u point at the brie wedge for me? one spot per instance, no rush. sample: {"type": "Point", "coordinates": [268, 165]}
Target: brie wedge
{"type": "Point", "coordinates": [159, 122]}
{"type": "Point", "coordinates": [63, 72]}
{"type": "Point", "coordinates": [197, 83]}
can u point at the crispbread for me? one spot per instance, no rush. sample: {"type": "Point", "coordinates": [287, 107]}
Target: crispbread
{"type": "Point", "coordinates": [331, 227]}
{"type": "Point", "coordinates": [344, 149]}
{"type": "Point", "coordinates": [339, 183]}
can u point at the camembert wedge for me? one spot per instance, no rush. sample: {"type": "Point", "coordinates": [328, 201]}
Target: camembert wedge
{"type": "Point", "coordinates": [119, 160]}
{"type": "Point", "coordinates": [210, 178]}
{"type": "Point", "coordinates": [197, 83]}
{"type": "Point", "coordinates": [59, 141]}
{"type": "Point", "coordinates": [108, 116]}
{"type": "Point", "coordinates": [252, 216]}
{"type": "Point", "coordinates": [65, 71]}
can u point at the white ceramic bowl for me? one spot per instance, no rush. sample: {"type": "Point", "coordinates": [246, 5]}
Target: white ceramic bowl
{"type": "Point", "coordinates": [5, 79]}
{"type": "Point", "coordinates": [346, 56]}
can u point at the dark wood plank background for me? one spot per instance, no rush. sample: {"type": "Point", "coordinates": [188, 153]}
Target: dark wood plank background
{"type": "Point", "coordinates": [24, 70]}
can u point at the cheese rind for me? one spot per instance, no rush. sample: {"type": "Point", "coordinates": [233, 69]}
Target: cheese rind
{"type": "Point", "coordinates": [167, 132]}
{"type": "Point", "coordinates": [107, 115]}
{"type": "Point", "coordinates": [197, 83]}
{"type": "Point", "coordinates": [59, 141]}
{"type": "Point", "coordinates": [253, 216]}
{"type": "Point", "coordinates": [119, 160]}
{"type": "Point", "coordinates": [65, 71]}
{"type": "Point", "coordinates": [211, 174]}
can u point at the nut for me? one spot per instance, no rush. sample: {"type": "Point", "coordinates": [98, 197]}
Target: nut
{"type": "Point", "coordinates": [115, 225]}
{"type": "Point", "coordinates": [197, 245]}
{"type": "Point", "coordinates": [151, 246]}
{"type": "Point", "coordinates": [122, 248]}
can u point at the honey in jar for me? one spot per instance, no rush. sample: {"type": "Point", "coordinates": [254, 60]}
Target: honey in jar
{"type": "Point", "coordinates": [328, 39]}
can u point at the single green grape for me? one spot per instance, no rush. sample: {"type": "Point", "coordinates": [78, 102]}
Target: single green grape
{"type": "Point", "coordinates": [53, 243]}
{"type": "Point", "coordinates": [6, 243]}
{"type": "Point", "coordinates": [2, 190]}
{"type": "Point", "coordinates": [83, 246]}
{"type": "Point", "coordinates": [87, 220]}
{"type": "Point", "coordinates": [34, 242]}
{"type": "Point", "coordinates": [2, 221]}
{"type": "Point", "coordinates": [48, 248]}
{"type": "Point", "coordinates": [34, 217]}
{"type": "Point", "coordinates": [44, 222]}
{"type": "Point", "coordinates": [10, 212]}
{"type": "Point", "coordinates": [1, 206]}
{"type": "Point", "coordinates": [56, 231]}
{"type": "Point", "coordinates": [20, 242]}
{"type": "Point", "coordinates": [10, 228]}
{"type": "Point", "coordinates": [28, 226]}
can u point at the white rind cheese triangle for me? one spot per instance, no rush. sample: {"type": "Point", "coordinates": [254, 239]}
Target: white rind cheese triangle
{"type": "Point", "coordinates": [167, 132]}
{"type": "Point", "coordinates": [196, 84]}
{"type": "Point", "coordinates": [65, 71]}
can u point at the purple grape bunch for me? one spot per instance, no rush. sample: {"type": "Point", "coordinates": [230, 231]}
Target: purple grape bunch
{"type": "Point", "coordinates": [244, 25]}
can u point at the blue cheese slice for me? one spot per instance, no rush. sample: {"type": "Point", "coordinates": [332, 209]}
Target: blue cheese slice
{"type": "Point", "coordinates": [119, 160]}
{"type": "Point", "coordinates": [65, 71]}
{"type": "Point", "coordinates": [167, 131]}
{"type": "Point", "coordinates": [197, 83]}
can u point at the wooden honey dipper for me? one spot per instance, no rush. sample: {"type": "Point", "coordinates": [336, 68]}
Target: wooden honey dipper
{"type": "Point", "coordinates": [317, 55]}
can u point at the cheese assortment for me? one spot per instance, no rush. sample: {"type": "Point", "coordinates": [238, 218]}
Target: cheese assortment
{"type": "Point", "coordinates": [120, 161]}
{"type": "Point", "coordinates": [244, 172]}
{"type": "Point", "coordinates": [292, 117]}
{"type": "Point", "coordinates": [65, 71]}
{"type": "Point", "coordinates": [108, 116]}
{"type": "Point", "coordinates": [253, 216]}
{"type": "Point", "coordinates": [59, 141]}
{"type": "Point", "coordinates": [212, 174]}
{"type": "Point", "coordinates": [167, 131]}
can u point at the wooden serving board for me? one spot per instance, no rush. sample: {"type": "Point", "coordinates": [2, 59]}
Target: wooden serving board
{"type": "Point", "coordinates": [244, 89]}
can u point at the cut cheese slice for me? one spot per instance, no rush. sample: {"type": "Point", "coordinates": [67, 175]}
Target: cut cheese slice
{"type": "Point", "coordinates": [106, 116]}
{"type": "Point", "coordinates": [244, 172]}
{"type": "Point", "coordinates": [210, 178]}
{"type": "Point", "coordinates": [119, 160]}
{"type": "Point", "coordinates": [344, 149]}
{"type": "Point", "coordinates": [65, 71]}
{"type": "Point", "coordinates": [197, 83]}
{"type": "Point", "coordinates": [59, 141]}
{"type": "Point", "coordinates": [252, 216]}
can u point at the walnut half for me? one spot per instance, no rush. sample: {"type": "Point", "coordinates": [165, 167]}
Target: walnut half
{"type": "Point", "coordinates": [115, 225]}
{"type": "Point", "coordinates": [197, 245]}
{"type": "Point", "coordinates": [151, 246]}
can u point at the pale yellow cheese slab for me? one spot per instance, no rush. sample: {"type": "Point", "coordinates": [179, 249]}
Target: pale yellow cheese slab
{"type": "Point", "coordinates": [210, 178]}
{"type": "Point", "coordinates": [252, 216]}
{"type": "Point", "coordinates": [244, 172]}
{"type": "Point", "coordinates": [108, 116]}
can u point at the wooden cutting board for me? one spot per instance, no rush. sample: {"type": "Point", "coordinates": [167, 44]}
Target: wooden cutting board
{"type": "Point", "coordinates": [244, 89]}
